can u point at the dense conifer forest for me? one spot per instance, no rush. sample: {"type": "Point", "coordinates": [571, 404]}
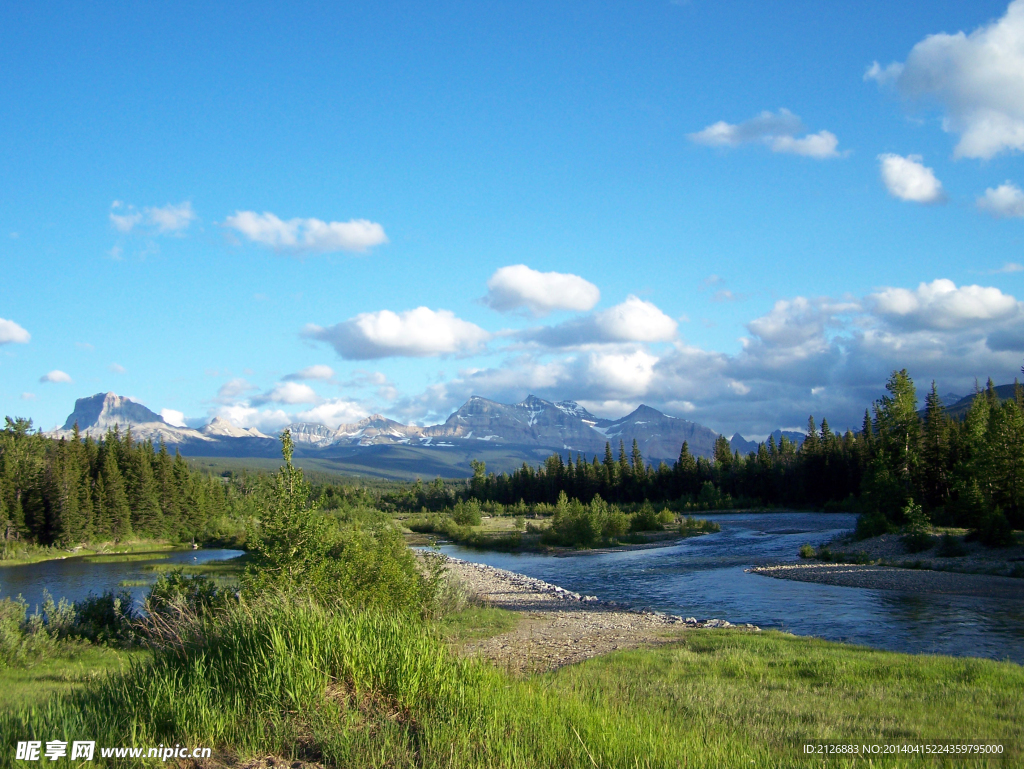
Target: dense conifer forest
{"type": "Point", "coordinates": [64, 492]}
{"type": "Point", "coordinates": [961, 472]}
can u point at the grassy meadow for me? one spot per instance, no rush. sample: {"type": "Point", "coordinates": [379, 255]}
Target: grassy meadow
{"type": "Point", "coordinates": [291, 678]}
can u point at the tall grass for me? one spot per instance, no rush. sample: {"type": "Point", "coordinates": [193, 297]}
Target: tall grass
{"type": "Point", "coordinates": [288, 677]}
{"type": "Point", "coordinates": [291, 678]}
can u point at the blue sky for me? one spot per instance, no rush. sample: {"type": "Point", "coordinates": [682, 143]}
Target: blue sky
{"type": "Point", "coordinates": [239, 213]}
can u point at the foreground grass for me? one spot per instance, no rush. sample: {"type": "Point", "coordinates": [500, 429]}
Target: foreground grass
{"type": "Point", "coordinates": [292, 679]}
{"type": "Point", "coordinates": [781, 692]}
{"type": "Point", "coordinates": [33, 684]}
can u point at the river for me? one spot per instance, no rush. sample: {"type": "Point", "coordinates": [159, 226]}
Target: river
{"type": "Point", "coordinates": [701, 577]}
{"type": "Point", "coordinates": [705, 577]}
{"type": "Point", "coordinates": [77, 578]}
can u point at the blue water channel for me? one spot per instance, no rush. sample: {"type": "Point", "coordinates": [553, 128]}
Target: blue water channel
{"type": "Point", "coordinates": [705, 577]}
{"type": "Point", "coordinates": [76, 578]}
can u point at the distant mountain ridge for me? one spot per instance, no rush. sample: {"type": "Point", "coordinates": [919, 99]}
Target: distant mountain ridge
{"type": "Point", "coordinates": [525, 431]}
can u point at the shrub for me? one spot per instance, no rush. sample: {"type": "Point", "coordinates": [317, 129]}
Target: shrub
{"type": "Point", "coordinates": [690, 526]}
{"type": "Point", "coordinates": [872, 524]}
{"type": "Point", "coordinates": [995, 530]}
{"type": "Point", "coordinates": [645, 519]}
{"type": "Point", "coordinates": [917, 541]}
{"type": "Point", "coordinates": [107, 618]}
{"type": "Point", "coordinates": [176, 590]}
{"type": "Point", "coordinates": [806, 551]}
{"type": "Point", "coordinates": [951, 547]}
{"type": "Point", "coordinates": [467, 513]}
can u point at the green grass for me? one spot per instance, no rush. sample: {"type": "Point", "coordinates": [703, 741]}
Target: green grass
{"type": "Point", "coordinates": [17, 555]}
{"type": "Point", "coordinates": [34, 684]}
{"type": "Point", "coordinates": [126, 558]}
{"type": "Point", "coordinates": [289, 678]}
{"type": "Point", "coordinates": [477, 622]}
{"type": "Point", "coordinates": [134, 582]}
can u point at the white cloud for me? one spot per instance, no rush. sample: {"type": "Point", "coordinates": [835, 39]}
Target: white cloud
{"type": "Point", "coordinates": [414, 333]}
{"type": "Point", "coordinates": [318, 372]}
{"type": "Point", "coordinates": [168, 219]}
{"type": "Point", "coordinates": [28, 396]}
{"type": "Point", "coordinates": [777, 130]}
{"type": "Point", "coordinates": [908, 179]}
{"type": "Point", "coordinates": [174, 217]}
{"type": "Point", "coordinates": [518, 287]}
{"type": "Point", "coordinates": [56, 376]}
{"type": "Point", "coordinates": [334, 412]}
{"type": "Point", "coordinates": [635, 320]}
{"type": "Point", "coordinates": [243, 415]}
{"type": "Point", "coordinates": [117, 368]}
{"type": "Point", "coordinates": [306, 235]}
{"type": "Point", "coordinates": [941, 305]}
{"type": "Point", "coordinates": [124, 222]}
{"type": "Point", "coordinates": [819, 146]}
{"type": "Point", "coordinates": [1005, 201]}
{"type": "Point", "coordinates": [11, 332]}
{"type": "Point", "coordinates": [1009, 267]}
{"type": "Point", "coordinates": [620, 375]}
{"type": "Point", "coordinates": [978, 79]}
{"type": "Point", "coordinates": [172, 417]}
{"type": "Point", "coordinates": [233, 388]}
{"type": "Point", "coordinates": [290, 393]}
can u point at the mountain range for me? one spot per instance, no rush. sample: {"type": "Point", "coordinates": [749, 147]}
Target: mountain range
{"type": "Point", "coordinates": [505, 435]}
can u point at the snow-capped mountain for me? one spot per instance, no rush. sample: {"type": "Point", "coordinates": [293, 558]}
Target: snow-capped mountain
{"type": "Point", "coordinates": [527, 430]}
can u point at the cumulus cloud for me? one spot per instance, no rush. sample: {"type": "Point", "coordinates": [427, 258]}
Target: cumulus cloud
{"type": "Point", "coordinates": [243, 415]}
{"type": "Point", "coordinates": [291, 393]}
{"type": "Point", "coordinates": [635, 320]}
{"type": "Point", "coordinates": [776, 130]}
{"type": "Point", "coordinates": [301, 236]}
{"type": "Point", "coordinates": [233, 388]}
{"type": "Point", "coordinates": [317, 372]}
{"type": "Point", "coordinates": [907, 178]}
{"type": "Point", "coordinates": [11, 332]}
{"type": "Point", "coordinates": [172, 218]}
{"type": "Point", "coordinates": [941, 305]}
{"type": "Point", "coordinates": [333, 412]}
{"type": "Point", "coordinates": [977, 79]}
{"type": "Point", "coordinates": [517, 287]}
{"type": "Point", "coordinates": [56, 376]}
{"type": "Point", "coordinates": [173, 418]}
{"type": "Point", "coordinates": [1003, 202]}
{"type": "Point", "coordinates": [414, 333]}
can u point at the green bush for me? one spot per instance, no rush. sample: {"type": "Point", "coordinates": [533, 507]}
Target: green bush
{"type": "Point", "coordinates": [995, 530]}
{"type": "Point", "coordinates": [176, 590]}
{"type": "Point", "coordinates": [806, 551]}
{"type": "Point", "coordinates": [467, 513]}
{"type": "Point", "coordinates": [951, 547]}
{"type": "Point", "coordinates": [917, 541]}
{"type": "Point", "coordinates": [872, 524]}
{"type": "Point", "coordinates": [107, 618]}
{"type": "Point", "coordinates": [645, 519]}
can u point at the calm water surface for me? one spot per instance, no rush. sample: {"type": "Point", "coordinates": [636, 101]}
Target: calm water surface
{"type": "Point", "coordinates": [76, 578]}
{"type": "Point", "coordinates": [704, 577]}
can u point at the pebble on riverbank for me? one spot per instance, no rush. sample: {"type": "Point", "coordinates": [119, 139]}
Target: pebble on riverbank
{"type": "Point", "coordinates": [561, 627]}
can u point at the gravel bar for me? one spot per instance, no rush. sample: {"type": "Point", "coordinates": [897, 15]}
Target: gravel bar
{"type": "Point", "coordinates": [560, 627]}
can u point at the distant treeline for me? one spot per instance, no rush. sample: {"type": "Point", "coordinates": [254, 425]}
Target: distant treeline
{"type": "Point", "coordinates": [966, 472]}
{"type": "Point", "coordinates": [64, 492]}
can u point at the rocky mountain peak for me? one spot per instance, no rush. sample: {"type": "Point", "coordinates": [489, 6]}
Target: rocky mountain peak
{"type": "Point", "coordinates": [104, 410]}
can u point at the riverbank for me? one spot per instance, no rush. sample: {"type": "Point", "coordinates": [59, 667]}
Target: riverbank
{"type": "Point", "coordinates": [944, 550]}
{"type": "Point", "coordinates": [19, 555]}
{"type": "Point", "coordinates": [558, 627]}
{"type": "Point", "coordinates": [876, 577]}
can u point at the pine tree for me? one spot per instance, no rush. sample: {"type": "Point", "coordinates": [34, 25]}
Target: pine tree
{"type": "Point", "coordinates": [117, 512]}
{"type": "Point", "coordinates": [935, 452]}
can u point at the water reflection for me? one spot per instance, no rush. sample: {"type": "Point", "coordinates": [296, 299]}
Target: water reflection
{"type": "Point", "coordinates": [76, 578]}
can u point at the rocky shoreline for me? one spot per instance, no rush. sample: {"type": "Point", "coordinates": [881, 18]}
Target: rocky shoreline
{"type": "Point", "coordinates": [877, 577]}
{"type": "Point", "coordinates": [561, 627]}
